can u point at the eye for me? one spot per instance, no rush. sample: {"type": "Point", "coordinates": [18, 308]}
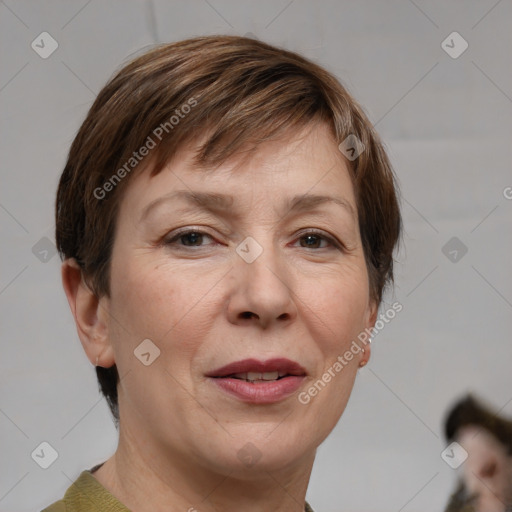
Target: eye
{"type": "Point", "coordinates": [312, 238]}
{"type": "Point", "coordinates": [189, 238]}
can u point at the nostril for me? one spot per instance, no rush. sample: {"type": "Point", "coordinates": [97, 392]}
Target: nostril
{"type": "Point", "coordinates": [248, 314]}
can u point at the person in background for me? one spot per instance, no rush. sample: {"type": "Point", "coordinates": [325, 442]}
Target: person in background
{"type": "Point", "coordinates": [485, 484]}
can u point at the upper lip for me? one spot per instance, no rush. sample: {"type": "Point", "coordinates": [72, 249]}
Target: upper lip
{"type": "Point", "coordinates": [281, 365]}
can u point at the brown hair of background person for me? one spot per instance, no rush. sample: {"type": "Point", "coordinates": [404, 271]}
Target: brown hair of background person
{"type": "Point", "coordinates": [235, 92]}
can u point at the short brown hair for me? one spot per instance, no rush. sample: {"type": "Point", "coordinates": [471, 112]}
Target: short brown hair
{"type": "Point", "coordinates": [235, 91]}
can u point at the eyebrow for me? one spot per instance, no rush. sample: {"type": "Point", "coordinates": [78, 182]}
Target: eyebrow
{"type": "Point", "coordinates": [215, 202]}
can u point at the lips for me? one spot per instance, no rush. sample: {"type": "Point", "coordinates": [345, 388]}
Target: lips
{"type": "Point", "coordinates": [256, 381]}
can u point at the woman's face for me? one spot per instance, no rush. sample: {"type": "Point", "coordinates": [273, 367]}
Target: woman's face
{"type": "Point", "coordinates": [249, 286]}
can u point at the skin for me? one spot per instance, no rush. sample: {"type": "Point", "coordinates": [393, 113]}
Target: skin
{"type": "Point", "coordinates": [487, 471]}
{"type": "Point", "coordinates": [179, 434]}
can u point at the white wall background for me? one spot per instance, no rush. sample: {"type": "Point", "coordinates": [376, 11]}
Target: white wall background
{"type": "Point", "coordinates": [447, 123]}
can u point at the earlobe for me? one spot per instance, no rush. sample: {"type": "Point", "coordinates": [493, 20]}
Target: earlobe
{"type": "Point", "coordinates": [365, 355]}
{"type": "Point", "coordinates": [90, 315]}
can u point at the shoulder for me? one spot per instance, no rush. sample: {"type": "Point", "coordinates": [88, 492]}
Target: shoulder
{"type": "Point", "coordinates": [86, 494]}
{"type": "Point", "coordinates": [58, 506]}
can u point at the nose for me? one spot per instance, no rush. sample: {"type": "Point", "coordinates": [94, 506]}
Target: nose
{"type": "Point", "coordinates": [262, 291]}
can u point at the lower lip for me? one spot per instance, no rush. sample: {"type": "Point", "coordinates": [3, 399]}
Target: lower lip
{"type": "Point", "coordinates": [260, 392]}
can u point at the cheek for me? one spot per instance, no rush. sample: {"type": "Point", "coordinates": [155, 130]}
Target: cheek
{"type": "Point", "coordinates": [338, 312]}
{"type": "Point", "coordinates": [167, 306]}
{"type": "Point", "coordinates": [150, 298]}
{"type": "Point", "coordinates": [338, 306]}
{"type": "Point", "coordinates": [164, 303]}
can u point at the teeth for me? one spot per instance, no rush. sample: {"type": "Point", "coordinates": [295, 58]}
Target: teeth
{"type": "Point", "coordinates": [257, 376]}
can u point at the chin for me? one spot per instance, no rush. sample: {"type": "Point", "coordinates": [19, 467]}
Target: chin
{"type": "Point", "coordinates": [251, 454]}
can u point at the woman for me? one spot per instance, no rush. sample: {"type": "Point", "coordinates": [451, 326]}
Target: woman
{"type": "Point", "coordinates": [486, 480]}
{"type": "Point", "coordinates": [226, 219]}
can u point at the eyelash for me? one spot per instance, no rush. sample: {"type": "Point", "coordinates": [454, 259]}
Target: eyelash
{"type": "Point", "coordinates": [317, 233]}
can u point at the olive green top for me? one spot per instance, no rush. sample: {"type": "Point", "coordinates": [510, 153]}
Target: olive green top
{"type": "Point", "coordinates": [86, 494]}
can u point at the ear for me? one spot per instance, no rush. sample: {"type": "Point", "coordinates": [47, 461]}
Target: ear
{"type": "Point", "coordinates": [373, 309]}
{"type": "Point", "coordinates": [90, 313]}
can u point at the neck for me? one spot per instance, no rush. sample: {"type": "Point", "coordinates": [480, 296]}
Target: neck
{"type": "Point", "coordinates": [147, 479]}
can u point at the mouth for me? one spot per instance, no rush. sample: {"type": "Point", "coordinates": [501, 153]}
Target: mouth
{"type": "Point", "coordinates": [259, 377]}
{"type": "Point", "coordinates": [256, 381]}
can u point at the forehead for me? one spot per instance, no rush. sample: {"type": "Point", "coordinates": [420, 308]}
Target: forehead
{"type": "Point", "coordinates": [473, 437]}
{"type": "Point", "coordinates": [303, 169]}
